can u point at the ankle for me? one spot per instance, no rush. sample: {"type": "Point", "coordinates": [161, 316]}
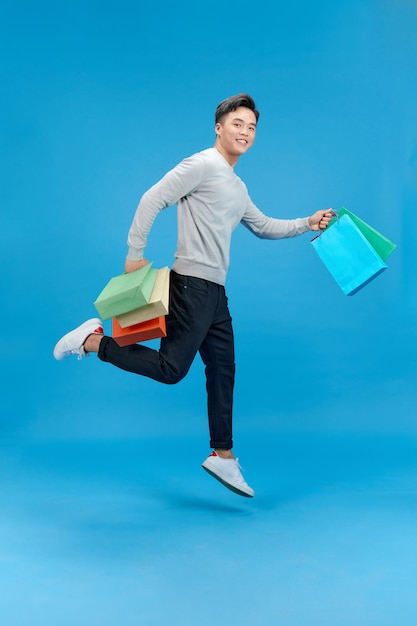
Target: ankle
{"type": "Point", "coordinates": [224, 454]}
{"type": "Point", "coordinates": [92, 343]}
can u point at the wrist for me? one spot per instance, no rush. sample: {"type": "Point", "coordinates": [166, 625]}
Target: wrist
{"type": "Point", "coordinates": [134, 254]}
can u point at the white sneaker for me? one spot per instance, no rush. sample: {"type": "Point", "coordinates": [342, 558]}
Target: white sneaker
{"type": "Point", "coordinates": [73, 342]}
{"type": "Point", "coordinates": [227, 471]}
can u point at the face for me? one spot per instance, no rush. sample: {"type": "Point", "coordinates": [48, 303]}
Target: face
{"type": "Point", "coordinates": [236, 133]}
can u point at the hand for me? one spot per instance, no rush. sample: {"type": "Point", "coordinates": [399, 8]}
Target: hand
{"type": "Point", "coordinates": [320, 219]}
{"type": "Point", "coordinates": [132, 266]}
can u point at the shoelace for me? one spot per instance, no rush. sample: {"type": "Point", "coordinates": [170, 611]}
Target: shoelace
{"type": "Point", "coordinates": [82, 353]}
{"type": "Point", "coordinates": [238, 467]}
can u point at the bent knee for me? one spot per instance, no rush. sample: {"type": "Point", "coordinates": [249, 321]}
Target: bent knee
{"type": "Point", "coordinates": [173, 378]}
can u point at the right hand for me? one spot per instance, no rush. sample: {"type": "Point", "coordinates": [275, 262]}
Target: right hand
{"type": "Point", "coordinates": [132, 266]}
{"type": "Point", "coordinates": [320, 219]}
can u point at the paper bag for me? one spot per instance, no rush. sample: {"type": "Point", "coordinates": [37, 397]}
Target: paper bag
{"type": "Point", "coordinates": [126, 292]}
{"type": "Point", "coordinates": [151, 329]}
{"type": "Point", "coordinates": [381, 244]}
{"type": "Point", "coordinates": [348, 255]}
{"type": "Point", "coordinates": [157, 305]}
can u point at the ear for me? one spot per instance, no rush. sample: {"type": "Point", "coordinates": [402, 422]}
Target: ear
{"type": "Point", "coordinates": [217, 128]}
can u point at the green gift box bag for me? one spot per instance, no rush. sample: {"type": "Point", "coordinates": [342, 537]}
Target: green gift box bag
{"type": "Point", "coordinates": [126, 292]}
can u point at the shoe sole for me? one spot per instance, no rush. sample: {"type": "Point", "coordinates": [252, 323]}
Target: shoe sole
{"type": "Point", "coordinates": [236, 490]}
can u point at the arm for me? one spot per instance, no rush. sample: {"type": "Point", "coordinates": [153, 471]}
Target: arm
{"type": "Point", "coordinates": [271, 228]}
{"type": "Point", "coordinates": [176, 184]}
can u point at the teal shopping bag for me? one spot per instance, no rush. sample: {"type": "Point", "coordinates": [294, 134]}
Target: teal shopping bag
{"type": "Point", "coordinates": [350, 258]}
{"type": "Point", "coordinates": [383, 246]}
{"type": "Point", "coordinates": [126, 292]}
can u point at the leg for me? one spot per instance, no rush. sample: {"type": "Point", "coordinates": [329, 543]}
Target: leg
{"type": "Point", "coordinates": [199, 320]}
{"type": "Point", "coordinates": [218, 354]}
{"type": "Point", "coordinates": [187, 323]}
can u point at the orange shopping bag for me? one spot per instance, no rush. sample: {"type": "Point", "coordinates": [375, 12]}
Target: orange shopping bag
{"type": "Point", "coordinates": [151, 329]}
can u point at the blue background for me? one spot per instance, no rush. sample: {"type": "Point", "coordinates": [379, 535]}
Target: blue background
{"type": "Point", "coordinates": [106, 517]}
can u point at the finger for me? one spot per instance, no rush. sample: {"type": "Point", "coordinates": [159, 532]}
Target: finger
{"type": "Point", "coordinates": [324, 221]}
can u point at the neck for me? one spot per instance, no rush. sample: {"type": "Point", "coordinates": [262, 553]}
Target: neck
{"type": "Point", "coordinates": [231, 159]}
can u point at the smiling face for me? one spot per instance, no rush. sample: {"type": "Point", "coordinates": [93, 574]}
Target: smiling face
{"type": "Point", "coordinates": [235, 134]}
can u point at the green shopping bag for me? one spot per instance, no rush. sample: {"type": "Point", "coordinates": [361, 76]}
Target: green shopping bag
{"type": "Point", "coordinates": [383, 246]}
{"type": "Point", "coordinates": [348, 255]}
{"type": "Point", "coordinates": [126, 292]}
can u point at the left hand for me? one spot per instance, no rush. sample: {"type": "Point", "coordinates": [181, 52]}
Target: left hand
{"type": "Point", "coordinates": [132, 266]}
{"type": "Point", "coordinates": [320, 219]}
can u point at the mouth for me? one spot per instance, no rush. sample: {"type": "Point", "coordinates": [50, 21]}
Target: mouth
{"type": "Point", "coordinates": [242, 141]}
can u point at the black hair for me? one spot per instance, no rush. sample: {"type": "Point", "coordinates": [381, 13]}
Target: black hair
{"type": "Point", "coordinates": [232, 103]}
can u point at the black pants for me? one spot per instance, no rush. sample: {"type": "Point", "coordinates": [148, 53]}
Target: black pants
{"type": "Point", "coordinates": [198, 321]}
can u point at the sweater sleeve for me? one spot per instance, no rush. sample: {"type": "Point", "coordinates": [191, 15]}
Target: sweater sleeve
{"type": "Point", "coordinates": [176, 184]}
{"type": "Point", "coordinates": [266, 227]}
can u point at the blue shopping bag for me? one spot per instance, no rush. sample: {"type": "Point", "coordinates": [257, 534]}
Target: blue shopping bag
{"type": "Point", "coordinates": [348, 255]}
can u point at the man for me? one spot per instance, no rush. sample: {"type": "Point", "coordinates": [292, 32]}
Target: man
{"type": "Point", "coordinates": [211, 201]}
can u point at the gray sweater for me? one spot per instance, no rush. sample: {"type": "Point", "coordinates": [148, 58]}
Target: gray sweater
{"type": "Point", "coordinates": [212, 200]}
